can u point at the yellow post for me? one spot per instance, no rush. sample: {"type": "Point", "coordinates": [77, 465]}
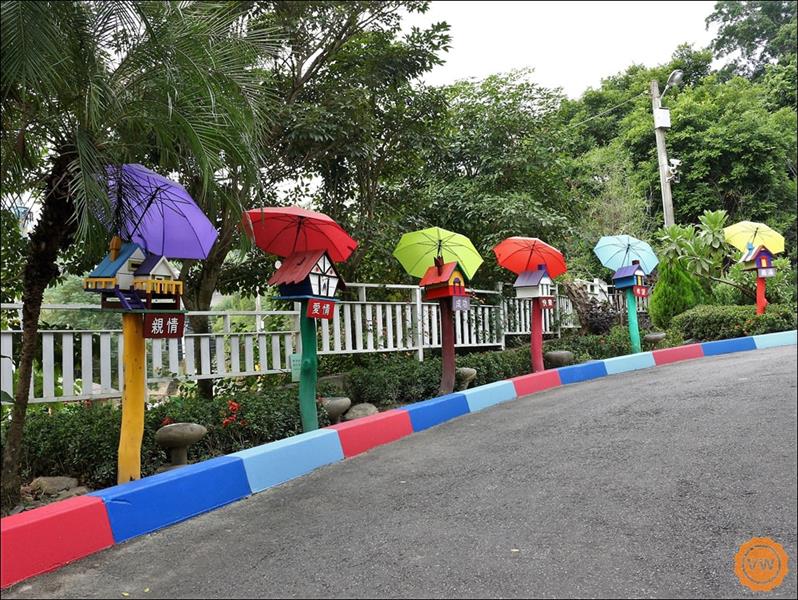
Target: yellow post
{"type": "Point", "coordinates": [129, 463]}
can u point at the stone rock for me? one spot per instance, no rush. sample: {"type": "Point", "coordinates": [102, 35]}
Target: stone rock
{"type": "Point", "coordinates": [177, 437]}
{"type": "Point", "coordinates": [336, 406]}
{"type": "Point", "coordinates": [364, 409]}
{"type": "Point", "coordinates": [50, 486]}
{"type": "Point", "coordinates": [654, 338]}
{"type": "Point", "coordinates": [559, 358]}
{"type": "Point", "coordinates": [463, 377]}
{"type": "Point", "coordinates": [72, 492]}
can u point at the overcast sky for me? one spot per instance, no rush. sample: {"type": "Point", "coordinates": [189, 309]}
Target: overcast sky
{"type": "Point", "coordinates": [571, 45]}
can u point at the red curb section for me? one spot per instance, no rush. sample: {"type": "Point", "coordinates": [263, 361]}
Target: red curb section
{"type": "Point", "coordinates": [367, 432]}
{"type": "Point", "coordinates": [537, 382]}
{"type": "Point", "coordinates": [669, 355]}
{"type": "Point", "coordinates": [43, 539]}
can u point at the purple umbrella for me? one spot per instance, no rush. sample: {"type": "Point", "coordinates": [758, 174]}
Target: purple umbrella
{"type": "Point", "coordinates": [158, 214]}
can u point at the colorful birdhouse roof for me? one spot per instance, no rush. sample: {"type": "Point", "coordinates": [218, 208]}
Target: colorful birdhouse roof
{"type": "Point", "coordinates": [628, 271]}
{"type": "Point", "coordinates": [151, 264]}
{"type": "Point", "coordinates": [753, 253]}
{"type": "Point", "coordinates": [531, 278]}
{"type": "Point", "coordinates": [297, 267]}
{"type": "Point", "coordinates": [108, 267]}
{"type": "Point", "coordinates": [434, 275]}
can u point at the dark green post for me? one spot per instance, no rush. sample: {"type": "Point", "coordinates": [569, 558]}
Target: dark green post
{"type": "Point", "coordinates": [308, 371]}
{"type": "Point", "coordinates": [631, 312]}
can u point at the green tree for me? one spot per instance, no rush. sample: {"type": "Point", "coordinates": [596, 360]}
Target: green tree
{"type": "Point", "coordinates": [675, 292]}
{"type": "Point", "coordinates": [104, 83]}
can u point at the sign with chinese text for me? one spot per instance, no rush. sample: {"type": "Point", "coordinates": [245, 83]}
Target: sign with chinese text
{"type": "Point", "coordinates": [546, 302]}
{"type": "Point", "coordinates": [320, 309]}
{"type": "Point", "coordinates": [461, 303]}
{"type": "Point", "coordinates": [166, 325]}
{"type": "Point", "coordinates": [296, 366]}
{"type": "Point", "coordinates": [640, 291]}
{"type": "Point", "coordinates": [767, 272]}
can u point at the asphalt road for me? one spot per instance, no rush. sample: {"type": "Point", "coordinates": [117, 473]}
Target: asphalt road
{"type": "Point", "coordinates": [641, 484]}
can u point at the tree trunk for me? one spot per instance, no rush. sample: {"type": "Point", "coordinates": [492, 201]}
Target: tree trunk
{"type": "Point", "coordinates": [52, 233]}
{"type": "Point", "coordinates": [580, 301]}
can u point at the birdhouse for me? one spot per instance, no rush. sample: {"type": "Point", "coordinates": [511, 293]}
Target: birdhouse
{"type": "Point", "coordinates": [129, 278]}
{"type": "Point", "coordinates": [759, 259]}
{"type": "Point", "coordinates": [631, 276]}
{"type": "Point", "coordinates": [444, 280]}
{"type": "Point", "coordinates": [308, 274]}
{"type": "Point", "coordinates": [533, 284]}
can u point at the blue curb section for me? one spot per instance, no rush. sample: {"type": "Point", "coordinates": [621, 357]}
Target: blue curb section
{"type": "Point", "coordinates": [161, 500]}
{"type": "Point", "coordinates": [727, 346]}
{"type": "Point", "coordinates": [583, 372]}
{"type": "Point", "coordinates": [429, 413]}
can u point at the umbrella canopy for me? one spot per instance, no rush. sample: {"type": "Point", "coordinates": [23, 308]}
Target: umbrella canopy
{"type": "Point", "coordinates": [416, 251]}
{"type": "Point", "coordinates": [286, 230]}
{"type": "Point", "coordinates": [616, 251]}
{"type": "Point", "coordinates": [519, 254]}
{"type": "Point", "coordinates": [157, 213]}
{"type": "Point", "coordinates": [741, 234]}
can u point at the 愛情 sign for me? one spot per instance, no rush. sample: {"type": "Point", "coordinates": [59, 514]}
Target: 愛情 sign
{"type": "Point", "coordinates": [166, 325]}
{"type": "Point", "coordinates": [320, 309]}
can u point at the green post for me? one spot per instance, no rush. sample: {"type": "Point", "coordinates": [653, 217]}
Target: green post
{"type": "Point", "coordinates": [308, 374]}
{"type": "Point", "coordinates": [631, 312]}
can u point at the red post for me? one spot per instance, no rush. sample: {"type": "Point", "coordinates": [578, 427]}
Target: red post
{"type": "Point", "coordinates": [761, 301]}
{"type": "Point", "coordinates": [447, 346]}
{"type": "Point", "coordinates": [536, 336]}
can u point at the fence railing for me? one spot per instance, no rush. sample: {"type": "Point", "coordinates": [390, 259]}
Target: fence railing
{"type": "Point", "coordinates": [87, 364]}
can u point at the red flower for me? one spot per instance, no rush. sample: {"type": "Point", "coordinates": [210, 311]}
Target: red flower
{"type": "Point", "coordinates": [167, 421]}
{"type": "Point", "coordinates": [233, 406]}
{"type": "Point", "coordinates": [227, 421]}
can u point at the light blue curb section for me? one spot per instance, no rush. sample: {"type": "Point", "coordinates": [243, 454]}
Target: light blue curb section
{"type": "Point", "coordinates": [771, 340]}
{"type": "Point", "coordinates": [631, 362]}
{"type": "Point", "coordinates": [277, 462]}
{"type": "Point", "coordinates": [490, 394]}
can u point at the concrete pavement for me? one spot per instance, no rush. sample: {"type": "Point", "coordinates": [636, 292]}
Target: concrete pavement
{"type": "Point", "coordinates": [641, 484]}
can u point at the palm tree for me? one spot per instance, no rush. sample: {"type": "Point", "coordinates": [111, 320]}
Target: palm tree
{"type": "Point", "coordinates": [90, 84]}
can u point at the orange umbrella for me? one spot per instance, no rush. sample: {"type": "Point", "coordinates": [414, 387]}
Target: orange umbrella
{"type": "Point", "coordinates": [519, 254]}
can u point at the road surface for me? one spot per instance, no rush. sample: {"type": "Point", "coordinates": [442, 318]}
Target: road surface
{"type": "Point", "coordinates": [642, 484]}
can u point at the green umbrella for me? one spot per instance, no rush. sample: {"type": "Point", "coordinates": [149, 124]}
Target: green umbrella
{"type": "Point", "coordinates": [417, 250]}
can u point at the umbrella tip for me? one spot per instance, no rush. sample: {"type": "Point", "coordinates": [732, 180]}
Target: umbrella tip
{"type": "Point", "coordinates": [114, 246]}
{"type": "Point", "coordinates": [439, 264]}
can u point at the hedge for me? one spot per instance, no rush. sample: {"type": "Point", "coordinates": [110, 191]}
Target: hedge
{"type": "Point", "coordinates": [706, 323]}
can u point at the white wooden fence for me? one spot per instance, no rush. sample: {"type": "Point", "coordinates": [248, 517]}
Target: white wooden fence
{"type": "Point", "coordinates": [87, 364]}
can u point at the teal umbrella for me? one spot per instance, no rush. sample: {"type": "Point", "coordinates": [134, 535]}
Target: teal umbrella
{"type": "Point", "coordinates": [616, 251]}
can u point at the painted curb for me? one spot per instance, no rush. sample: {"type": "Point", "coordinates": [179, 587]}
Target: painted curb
{"type": "Point", "coordinates": [277, 462]}
{"type": "Point", "coordinates": [155, 502]}
{"type": "Point", "coordinates": [53, 535]}
{"type": "Point", "coordinates": [46, 538]}
{"type": "Point", "coordinates": [429, 413]}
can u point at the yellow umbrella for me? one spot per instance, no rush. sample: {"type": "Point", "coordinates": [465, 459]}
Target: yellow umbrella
{"type": "Point", "coordinates": [417, 250]}
{"type": "Point", "coordinates": [741, 234]}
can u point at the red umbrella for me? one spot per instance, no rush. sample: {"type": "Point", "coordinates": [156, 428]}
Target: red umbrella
{"type": "Point", "coordinates": [519, 254]}
{"type": "Point", "coordinates": [285, 230]}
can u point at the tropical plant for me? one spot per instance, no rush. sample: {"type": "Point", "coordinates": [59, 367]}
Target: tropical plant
{"type": "Point", "coordinates": [90, 84]}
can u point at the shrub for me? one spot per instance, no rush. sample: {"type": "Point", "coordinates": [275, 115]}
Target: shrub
{"type": "Point", "coordinates": [721, 322]}
{"type": "Point", "coordinates": [593, 347]}
{"type": "Point", "coordinates": [601, 316]}
{"type": "Point", "coordinates": [81, 440]}
{"type": "Point", "coordinates": [676, 291]}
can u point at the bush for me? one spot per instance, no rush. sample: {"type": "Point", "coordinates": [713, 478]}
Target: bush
{"type": "Point", "coordinates": [81, 440]}
{"type": "Point", "coordinates": [601, 316]}
{"type": "Point", "coordinates": [708, 323]}
{"type": "Point", "coordinates": [676, 291]}
{"type": "Point", "coordinates": [593, 347]}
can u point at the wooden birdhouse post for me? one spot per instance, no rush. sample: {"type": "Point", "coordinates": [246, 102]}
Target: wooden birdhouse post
{"type": "Point", "coordinates": [145, 288]}
{"type": "Point", "coordinates": [632, 279]}
{"type": "Point", "coordinates": [446, 282]}
{"type": "Point", "coordinates": [535, 285]}
{"type": "Point", "coordinates": [759, 259]}
{"type": "Point", "coordinates": [311, 278]}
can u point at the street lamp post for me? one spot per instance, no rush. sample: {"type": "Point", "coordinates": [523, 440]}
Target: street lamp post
{"type": "Point", "coordinates": [662, 121]}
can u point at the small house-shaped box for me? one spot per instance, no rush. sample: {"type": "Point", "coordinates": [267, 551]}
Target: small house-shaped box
{"type": "Point", "coordinates": [443, 280]}
{"type": "Point", "coordinates": [530, 284]}
{"type": "Point", "coordinates": [633, 277]}
{"type": "Point", "coordinates": [759, 259]}
{"type": "Point", "coordinates": [307, 274]}
{"type": "Point", "coordinates": [132, 279]}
